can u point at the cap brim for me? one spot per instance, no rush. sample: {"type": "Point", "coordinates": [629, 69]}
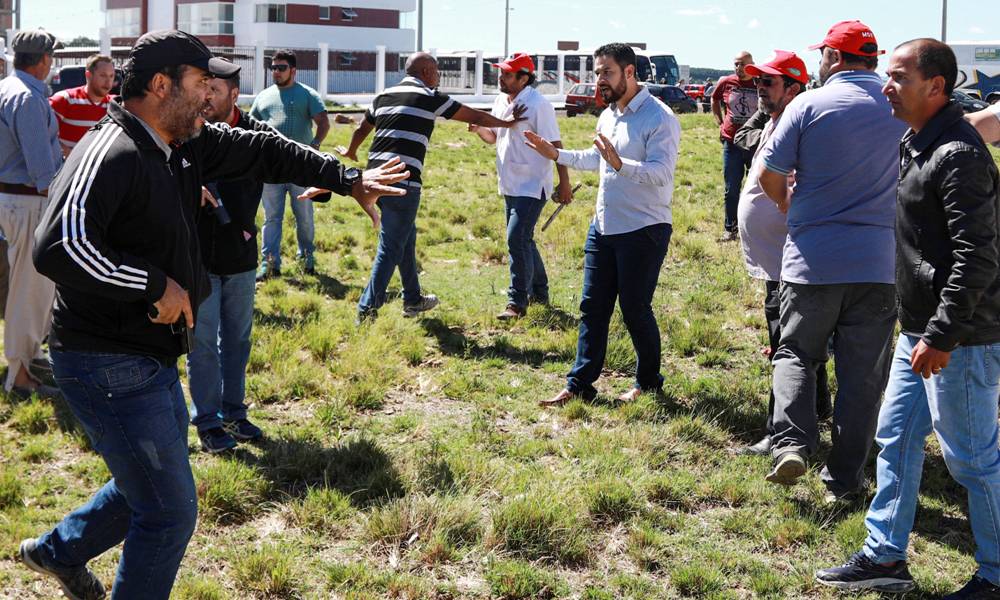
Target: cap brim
{"type": "Point", "coordinates": [818, 46]}
{"type": "Point", "coordinates": [758, 69]}
{"type": "Point", "coordinates": [222, 69]}
{"type": "Point", "coordinates": [503, 66]}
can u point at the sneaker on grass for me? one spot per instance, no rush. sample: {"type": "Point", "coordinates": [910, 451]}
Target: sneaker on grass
{"type": "Point", "coordinates": [216, 440]}
{"type": "Point", "coordinates": [243, 430]}
{"type": "Point", "coordinates": [977, 589]}
{"type": "Point", "coordinates": [788, 467]}
{"type": "Point", "coordinates": [76, 584]}
{"type": "Point", "coordinates": [862, 573]}
{"type": "Point", "coordinates": [426, 303]}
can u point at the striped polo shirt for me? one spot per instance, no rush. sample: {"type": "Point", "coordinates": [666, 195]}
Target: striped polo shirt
{"type": "Point", "coordinates": [403, 117]}
{"type": "Point", "coordinates": [76, 113]}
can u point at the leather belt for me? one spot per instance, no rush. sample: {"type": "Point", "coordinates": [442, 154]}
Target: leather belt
{"type": "Point", "coordinates": [20, 190]}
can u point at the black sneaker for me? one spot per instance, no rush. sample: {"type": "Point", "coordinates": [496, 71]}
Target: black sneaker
{"type": "Point", "coordinates": [243, 430]}
{"type": "Point", "coordinates": [862, 573]}
{"type": "Point", "coordinates": [977, 589]}
{"type": "Point", "coordinates": [78, 584]}
{"type": "Point", "coordinates": [788, 467]}
{"type": "Point", "coordinates": [216, 440]}
{"type": "Point", "coordinates": [761, 448]}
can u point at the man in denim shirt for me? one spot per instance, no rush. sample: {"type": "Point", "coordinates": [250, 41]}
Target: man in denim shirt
{"type": "Point", "coordinates": [635, 151]}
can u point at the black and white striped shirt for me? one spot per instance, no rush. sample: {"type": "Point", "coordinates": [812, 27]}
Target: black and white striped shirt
{"type": "Point", "coordinates": [404, 117]}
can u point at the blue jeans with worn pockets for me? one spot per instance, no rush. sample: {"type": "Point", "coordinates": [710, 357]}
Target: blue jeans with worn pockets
{"type": "Point", "coordinates": [625, 267]}
{"type": "Point", "coordinates": [132, 409]}
{"type": "Point", "coordinates": [217, 364]}
{"type": "Point", "coordinates": [527, 272]}
{"type": "Point", "coordinates": [273, 199]}
{"type": "Point", "coordinates": [735, 164]}
{"type": "Point", "coordinates": [959, 405]}
{"type": "Point", "coordinates": [397, 247]}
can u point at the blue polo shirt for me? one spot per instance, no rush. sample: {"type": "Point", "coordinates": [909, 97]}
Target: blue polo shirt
{"type": "Point", "coordinates": [842, 143]}
{"type": "Point", "coordinates": [29, 133]}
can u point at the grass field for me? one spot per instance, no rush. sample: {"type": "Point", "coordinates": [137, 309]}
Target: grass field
{"type": "Point", "coordinates": [408, 459]}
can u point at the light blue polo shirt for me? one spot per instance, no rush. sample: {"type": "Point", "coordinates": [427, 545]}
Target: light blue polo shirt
{"type": "Point", "coordinates": [842, 143]}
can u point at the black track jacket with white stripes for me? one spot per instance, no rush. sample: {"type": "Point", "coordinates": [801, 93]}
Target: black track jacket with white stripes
{"type": "Point", "coordinates": [122, 218]}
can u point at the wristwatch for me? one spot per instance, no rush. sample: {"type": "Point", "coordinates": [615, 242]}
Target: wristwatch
{"type": "Point", "coordinates": [352, 175]}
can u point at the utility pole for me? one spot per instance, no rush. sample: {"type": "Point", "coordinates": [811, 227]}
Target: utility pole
{"type": "Point", "coordinates": [506, 28]}
{"type": "Point", "coordinates": [944, 20]}
{"type": "Point", "coordinates": [420, 25]}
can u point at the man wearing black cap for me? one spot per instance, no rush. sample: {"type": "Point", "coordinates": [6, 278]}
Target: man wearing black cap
{"type": "Point", "coordinates": [29, 158]}
{"type": "Point", "coordinates": [119, 240]}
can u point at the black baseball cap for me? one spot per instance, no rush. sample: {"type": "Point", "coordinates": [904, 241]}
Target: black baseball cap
{"type": "Point", "coordinates": [169, 47]}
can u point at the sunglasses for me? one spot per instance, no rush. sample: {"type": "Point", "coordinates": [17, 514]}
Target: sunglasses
{"type": "Point", "coordinates": [279, 68]}
{"type": "Point", "coordinates": [762, 82]}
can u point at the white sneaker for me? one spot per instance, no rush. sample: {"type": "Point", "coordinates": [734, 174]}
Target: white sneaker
{"type": "Point", "coordinates": [426, 303]}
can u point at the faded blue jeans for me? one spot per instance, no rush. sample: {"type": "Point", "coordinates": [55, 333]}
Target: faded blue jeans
{"type": "Point", "coordinates": [273, 199]}
{"type": "Point", "coordinates": [527, 272]}
{"type": "Point", "coordinates": [735, 164]}
{"type": "Point", "coordinates": [397, 247]}
{"type": "Point", "coordinates": [217, 364]}
{"type": "Point", "coordinates": [132, 409]}
{"type": "Point", "coordinates": [960, 406]}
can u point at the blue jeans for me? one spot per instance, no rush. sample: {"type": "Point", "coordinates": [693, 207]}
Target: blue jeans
{"type": "Point", "coordinates": [527, 272]}
{"type": "Point", "coordinates": [273, 199]}
{"type": "Point", "coordinates": [397, 247]}
{"type": "Point", "coordinates": [132, 409]}
{"type": "Point", "coordinates": [960, 406]}
{"type": "Point", "coordinates": [735, 164]}
{"type": "Point", "coordinates": [217, 364]}
{"type": "Point", "coordinates": [623, 266]}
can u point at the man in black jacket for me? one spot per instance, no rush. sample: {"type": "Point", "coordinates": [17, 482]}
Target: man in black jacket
{"type": "Point", "coordinates": [227, 234]}
{"type": "Point", "coordinates": [945, 373]}
{"type": "Point", "coordinates": [118, 239]}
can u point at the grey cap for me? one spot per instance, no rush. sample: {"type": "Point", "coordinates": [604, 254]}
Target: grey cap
{"type": "Point", "coordinates": [37, 41]}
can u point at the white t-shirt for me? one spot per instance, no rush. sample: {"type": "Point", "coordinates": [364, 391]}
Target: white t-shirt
{"type": "Point", "coordinates": [763, 228]}
{"type": "Point", "coordinates": [522, 171]}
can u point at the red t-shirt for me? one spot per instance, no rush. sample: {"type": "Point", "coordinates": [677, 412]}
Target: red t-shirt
{"type": "Point", "coordinates": [76, 113]}
{"type": "Point", "coordinates": [740, 101]}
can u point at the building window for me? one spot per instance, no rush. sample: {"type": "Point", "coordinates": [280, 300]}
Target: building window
{"type": "Point", "coordinates": [347, 59]}
{"type": "Point", "coordinates": [987, 54]}
{"type": "Point", "coordinates": [211, 18]}
{"type": "Point", "coordinates": [348, 14]}
{"type": "Point", "coordinates": [324, 13]}
{"type": "Point", "coordinates": [270, 13]}
{"type": "Point", "coordinates": [124, 22]}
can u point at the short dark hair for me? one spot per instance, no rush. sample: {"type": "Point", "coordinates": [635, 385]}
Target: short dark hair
{"type": "Point", "coordinates": [789, 82]}
{"type": "Point", "coordinates": [623, 54]}
{"type": "Point", "coordinates": [233, 82]}
{"type": "Point", "coordinates": [285, 55]}
{"type": "Point", "coordinates": [135, 84]}
{"type": "Point", "coordinates": [26, 60]}
{"type": "Point", "coordinates": [935, 59]}
{"type": "Point", "coordinates": [96, 59]}
{"type": "Point", "coordinates": [868, 62]}
{"type": "Point", "coordinates": [531, 78]}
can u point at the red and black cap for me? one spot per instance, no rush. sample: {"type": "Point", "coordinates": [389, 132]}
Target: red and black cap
{"type": "Point", "coordinates": [169, 47]}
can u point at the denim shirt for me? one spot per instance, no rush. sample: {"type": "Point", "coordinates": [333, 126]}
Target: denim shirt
{"type": "Point", "coordinates": [646, 135]}
{"type": "Point", "coordinates": [29, 133]}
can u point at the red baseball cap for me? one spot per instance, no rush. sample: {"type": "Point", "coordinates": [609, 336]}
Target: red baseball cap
{"type": "Point", "coordinates": [784, 63]}
{"type": "Point", "coordinates": [518, 62]}
{"type": "Point", "coordinates": [849, 36]}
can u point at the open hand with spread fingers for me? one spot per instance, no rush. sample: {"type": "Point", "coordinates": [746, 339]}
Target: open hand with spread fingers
{"type": "Point", "coordinates": [541, 145]}
{"type": "Point", "coordinates": [608, 152]}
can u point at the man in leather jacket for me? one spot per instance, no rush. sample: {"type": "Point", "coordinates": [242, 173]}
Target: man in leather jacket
{"type": "Point", "coordinates": [945, 373]}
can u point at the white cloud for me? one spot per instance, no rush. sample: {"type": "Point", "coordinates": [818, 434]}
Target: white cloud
{"type": "Point", "coordinates": [724, 19]}
{"type": "Point", "coordinates": [753, 24]}
{"type": "Point", "coordinates": [616, 24]}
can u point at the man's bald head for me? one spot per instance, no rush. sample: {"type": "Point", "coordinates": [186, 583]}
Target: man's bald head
{"type": "Point", "coordinates": [424, 67]}
{"type": "Point", "coordinates": [740, 62]}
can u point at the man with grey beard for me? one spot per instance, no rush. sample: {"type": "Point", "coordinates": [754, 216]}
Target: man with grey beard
{"type": "Point", "coordinates": [118, 239]}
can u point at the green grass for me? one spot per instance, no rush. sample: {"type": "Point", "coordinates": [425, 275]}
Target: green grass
{"type": "Point", "coordinates": [408, 459]}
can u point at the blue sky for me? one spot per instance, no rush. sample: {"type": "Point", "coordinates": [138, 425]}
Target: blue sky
{"type": "Point", "coordinates": [702, 33]}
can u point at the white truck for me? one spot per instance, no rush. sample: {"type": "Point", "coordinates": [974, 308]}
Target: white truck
{"type": "Point", "coordinates": [978, 69]}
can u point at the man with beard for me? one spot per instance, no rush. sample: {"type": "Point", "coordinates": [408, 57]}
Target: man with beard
{"type": "Point", "coordinates": [734, 101]}
{"type": "Point", "coordinates": [762, 226]}
{"type": "Point", "coordinates": [945, 373]}
{"type": "Point", "coordinates": [635, 152]}
{"type": "Point", "coordinates": [403, 118]}
{"type": "Point", "coordinates": [119, 241]}
{"type": "Point", "coordinates": [80, 108]}
{"type": "Point", "coordinates": [525, 179]}
{"type": "Point", "coordinates": [837, 265]}
{"type": "Point", "coordinates": [227, 234]}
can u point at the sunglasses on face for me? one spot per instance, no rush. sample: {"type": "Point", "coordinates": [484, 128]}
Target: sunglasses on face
{"type": "Point", "coordinates": [764, 81]}
{"type": "Point", "coordinates": [279, 68]}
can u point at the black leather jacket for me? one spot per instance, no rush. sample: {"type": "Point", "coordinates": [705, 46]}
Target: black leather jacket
{"type": "Point", "coordinates": [948, 235]}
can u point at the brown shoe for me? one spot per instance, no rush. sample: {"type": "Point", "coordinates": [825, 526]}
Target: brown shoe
{"type": "Point", "coordinates": [558, 400]}
{"type": "Point", "coordinates": [631, 395]}
{"type": "Point", "coordinates": [512, 311]}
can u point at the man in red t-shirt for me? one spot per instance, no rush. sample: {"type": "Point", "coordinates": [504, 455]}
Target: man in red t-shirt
{"type": "Point", "coordinates": [734, 101]}
{"type": "Point", "coordinates": [78, 109]}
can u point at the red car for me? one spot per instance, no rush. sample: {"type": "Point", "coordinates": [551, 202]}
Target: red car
{"type": "Point", "coordinates": [584, 98]}
{"type": "Point", "coordinates": [695, 91]}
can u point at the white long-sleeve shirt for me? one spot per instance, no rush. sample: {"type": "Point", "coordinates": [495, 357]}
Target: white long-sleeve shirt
{"type": "Point", "coordinates": [646, 135]}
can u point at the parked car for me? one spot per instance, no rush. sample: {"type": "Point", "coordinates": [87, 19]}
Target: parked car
{"type": "Point", "coordinates": [674, 97]}
{"type": "Point", "coordinates": [695, 91]}
{"type": "Point", "coordinates": [968, 103]}
{"type": "Point", "coordinates": [72, 76]}
{"type": "Point", "coordinates": [584, 98]}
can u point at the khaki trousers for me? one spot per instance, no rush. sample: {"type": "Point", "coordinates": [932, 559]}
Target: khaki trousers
{"type": "Point", "coordinates": [28, 313]}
